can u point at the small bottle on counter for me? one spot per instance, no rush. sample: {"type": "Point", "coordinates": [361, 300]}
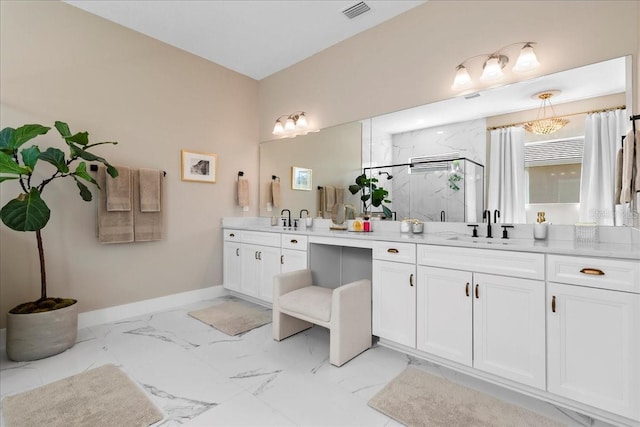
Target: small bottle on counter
{"type": "Point", "coordinates": [366, 224]}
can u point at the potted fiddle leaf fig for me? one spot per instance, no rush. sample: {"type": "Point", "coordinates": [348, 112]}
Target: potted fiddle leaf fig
{"type": "Point", "coordinates": [46, 326]}
{"type": "Point", "coordinates": [372, 194]}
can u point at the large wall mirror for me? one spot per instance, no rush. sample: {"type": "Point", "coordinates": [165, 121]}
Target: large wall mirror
{"type": "Point", "coordinates": [450, 129]}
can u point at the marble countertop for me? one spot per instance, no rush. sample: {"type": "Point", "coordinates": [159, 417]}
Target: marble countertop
{"type": "Point", "coordinates": [456, 239]}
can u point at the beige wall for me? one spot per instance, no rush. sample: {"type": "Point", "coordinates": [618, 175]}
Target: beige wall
{"type": "Point", "coordinates": [60, 63]}
{"type": "Point", "coordinates": [410, 60]}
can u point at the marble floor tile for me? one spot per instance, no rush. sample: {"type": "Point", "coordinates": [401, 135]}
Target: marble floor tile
{"type": "Point", "coordinates": [198, 376]}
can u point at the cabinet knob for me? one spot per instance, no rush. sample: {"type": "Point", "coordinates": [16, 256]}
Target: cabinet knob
{"type": "Point", "coordinates": [237, 251]}
{"type": "Point", "coordinates": [294, 241]}
{"type": "Point", "coordinates": [281, 259]}
{"type": "Point", "coordinates": [232, 235]}
{"type": "Point", "coordinates": [393, 251]}
{"type": "Point", "coordinates": [255, 254]}
{"type": "Point", "coordinates": [411, 280]}
{"type": "Point", "coordinates": [553, 304]}
{"type": "Point", "coordinates": [477, 291]}
{"type": "Point", "coordinates": [466, 289]}
{"type": "Point", "coordinates": [592, 271]}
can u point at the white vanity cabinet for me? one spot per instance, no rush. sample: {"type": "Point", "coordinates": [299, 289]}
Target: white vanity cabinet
{"type": "Point", "coordinates": [492, 322]}
{"type": "Point", "coordinates": [260, 263]}
{"type": "Point", "coordinates": [294, 252]}
{"type": "Point", "coordinates": [232, 260]}
{"type": "Point", "coordinates": [394, 292]}
{"type": "Point", "coordinates": [593, 332]}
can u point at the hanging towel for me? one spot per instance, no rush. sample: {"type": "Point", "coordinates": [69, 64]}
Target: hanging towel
{"type": "Point", "coordinates": [275, 193]}
{"type": "Point", "coordinates": [149, 185]}
{"type": "Point", "coordinates": [636, 143]}
{"type": "Point", "coordinates": [340, 195]}
{"type": "Point", "coordinates": [119, 190]}
{"type": "Point", "coordinates": [321, 206]}
{"type": "Point", "coordinates": [116, 226]}
{"type": "Point", "coordinates": [630, 159]}
{"type": "Point", "coordinates": [243, 192]}
{"type": "Point", "coordinates": [147, 225]}
{"type": "Point", "coordinates": [329, 200]}
{"type": "Point", "coordinates": [618, 176]}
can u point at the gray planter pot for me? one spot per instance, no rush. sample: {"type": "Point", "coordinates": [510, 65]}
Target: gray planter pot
{"type": "Point", "coordinates": [39, 335]}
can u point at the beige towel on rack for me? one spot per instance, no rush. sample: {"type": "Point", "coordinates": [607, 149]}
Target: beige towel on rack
{"type": "Point", "coordinates": [116, 226]}
{"type": "Point", "coordinates": [321, 206]}
{"type": "Point", "coordinates": [630, 160]}
{"type": "Point", "coordinates": [147, 226]}
{"type": "Point", "coordinates": [150, 182]}
{"type": "Point", "coordinates": [618, 176]}
{"type": "Point", "coordinates": [329, 200]}
{"type": "Point", "coordinates": [340, 195]}
{"type": "Point", "coordinates": [119, 190]}
{"type": "Point", "coordinates": [243, 192]}
{"type": "Point", "coordinates": [636, 143]}
{"type": "Point", "coordinates": [275, 193]}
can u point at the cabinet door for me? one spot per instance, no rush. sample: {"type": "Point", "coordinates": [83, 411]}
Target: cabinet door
{"type": "Point", "coordinates": [250, 284]}
{"type": "Point", "coordinates": [394, 301]}
{"type": "Point", "coordinates": [444, 309]}
{"type": "Point", "coordinates": [269, 266]}
{"type": "Point", "coordinates": [292, 260]}
{"type": "Point", "coordinates": [232, 268]}
{"type": "Point", "coordinates": [594, 347]}
{"type": "Point", "coordinates": [509, 328]}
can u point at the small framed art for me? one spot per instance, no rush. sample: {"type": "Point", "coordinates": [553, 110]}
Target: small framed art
{"type": "Point", "coordinates": [300, 178]}
{"type": "Point", "coordinates": [199, 167]}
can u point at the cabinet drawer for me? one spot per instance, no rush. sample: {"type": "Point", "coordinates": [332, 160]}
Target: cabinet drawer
{"type": "Point", "coordinates": [504, 263]}
{"type": "Point", "coordinates": [293, 241]}
{"type": "Point", "coordinates": [260, 238]}
{"type": "Point", "coordinates": [594, 272]}
{"type": "Point", "coordinates": [232, 235]}
{"type": "Point", "coordinates": [390, 251]}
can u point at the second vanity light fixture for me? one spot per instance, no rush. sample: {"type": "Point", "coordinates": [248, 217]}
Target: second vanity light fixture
{"type": "Point", "coordinates": [294, 124]}
{"type": "Point", "coordinates": [494, 63]}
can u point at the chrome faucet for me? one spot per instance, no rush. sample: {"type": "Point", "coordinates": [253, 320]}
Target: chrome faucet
{"type": "Point", "coordinates": [288, 222]}
{"type": "Point", "coordinates": [487, 215]}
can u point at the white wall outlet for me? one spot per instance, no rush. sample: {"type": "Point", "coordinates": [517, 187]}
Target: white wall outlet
{"type": "Point", "coordinates": [245, 208]}
{"type": "Point", "coordinates": [269, 207]}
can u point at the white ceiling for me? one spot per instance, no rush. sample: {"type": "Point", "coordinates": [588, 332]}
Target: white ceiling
{"type": "Point", "coordinates": [255, 38]}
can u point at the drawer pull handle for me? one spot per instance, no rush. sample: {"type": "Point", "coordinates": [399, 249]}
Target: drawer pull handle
{"type": "Point", "coordinates": [281, 259]}
{"type": "Point", "coordinates": [553, 304]}
{"type": "Point", "coordinates": [477, 291]}
{"type": "Point", "coordinates": [255, 255]}
{"type": "Point", "coordinates": [466, 289]}
{"type": "Point", "coordinates": [411, 280]}
{"type": "Point", "coordinates": [237, 251]}
{"type": "Point", "coordinates": [232, 235]}
{"type": "Point", "coordinates": [393, 251]}
{"type": "Point", "coordinates": [294, 241]}
{"type": "Point", "coordinates": [592, 271]}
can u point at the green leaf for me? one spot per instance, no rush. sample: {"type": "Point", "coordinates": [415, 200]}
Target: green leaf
{"type": "Point", "coordinates": [28, 212]}
{"type": "Point", "coordinates": [26, 133]}
{"type": "Point", "coordinates": [84, 191]}
{"type": "Point", "coordinates": [30, 156]}
{"type": "Point", "coordinates": [7, 178]}
{"type": "Point", "coordinates": [8, 165]}
{"type": "Point", "coordinates": [113, 172]}
{"type": "Point", "coordinates": [387, 212]}
{"type": "Point", "coordinates": [83, 154]}
{"type": "Point", "coordinates": [63, 128]}
{"type": "Point", "coordinates": [81, 172]}
{"type": "Point", "coordinates": [6, 135]}
{"type": "Point", "coordinates": [56, 158]}
{"type": "Point", "coordinates": [81, 138]}
{"type": "Point", "coordinates": [353, 188]}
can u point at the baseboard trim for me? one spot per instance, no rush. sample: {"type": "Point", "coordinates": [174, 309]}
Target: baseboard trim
{"type": "Point", "coordinates": [125, 311]}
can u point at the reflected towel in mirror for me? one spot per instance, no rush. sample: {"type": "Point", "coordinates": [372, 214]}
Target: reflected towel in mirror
{"type": "Point", "coordinates": [243, 192]}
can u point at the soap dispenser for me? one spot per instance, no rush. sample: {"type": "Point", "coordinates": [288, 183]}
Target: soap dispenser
{"type": "Point", "coordinates": [540, 227]}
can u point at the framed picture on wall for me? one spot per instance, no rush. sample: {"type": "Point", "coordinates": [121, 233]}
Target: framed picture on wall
{"type": "Point", "coordinates": [300, 178]}
{"type": "Point", "coordinates": [199, 167]}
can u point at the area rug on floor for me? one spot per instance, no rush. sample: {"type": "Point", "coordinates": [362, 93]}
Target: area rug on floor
{"type": "Point", "coordinates": [104, 397]}
{"type": "Point", "coordinates": [416, 398]}
{"type": "Point", "coordinates": [233, 317]}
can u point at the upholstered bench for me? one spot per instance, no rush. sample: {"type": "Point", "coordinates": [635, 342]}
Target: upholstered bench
{"type": "Point", "coordinates": [345, 311]}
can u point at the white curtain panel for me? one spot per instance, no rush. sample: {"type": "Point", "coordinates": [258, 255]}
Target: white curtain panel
{"type": "Point", "coordinates": [602, 139]}
{"type": "Point", "coordinates": [506, 174]}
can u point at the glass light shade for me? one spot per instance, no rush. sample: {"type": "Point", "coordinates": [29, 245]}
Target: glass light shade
{"type": "Point", "coordinates": [289, 124]}
{"type": "Point", "coordinates": [462, 79]}
{"type": "Point", "coordinates": [277, 128]}
{"type": "Point", "coordinates": [527, 60]}
{"type": "Point", "coordinates": [301, 123]}
{"type": "Point", "coordinates": [492, 69]}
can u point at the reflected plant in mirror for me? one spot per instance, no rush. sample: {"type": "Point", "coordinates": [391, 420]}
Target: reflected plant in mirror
{"type": "Point", "coordinates": [372, 193]}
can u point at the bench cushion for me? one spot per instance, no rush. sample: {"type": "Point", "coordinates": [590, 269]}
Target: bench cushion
{"type": "Point", "coordinates": [312, 301]}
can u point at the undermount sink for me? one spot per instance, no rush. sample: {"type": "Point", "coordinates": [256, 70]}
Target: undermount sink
{"type": "Point", "coordinates": [494, 241]}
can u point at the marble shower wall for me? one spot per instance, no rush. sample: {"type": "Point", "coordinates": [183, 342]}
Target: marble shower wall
{"type": "Point", "coordinates": [425, 195]}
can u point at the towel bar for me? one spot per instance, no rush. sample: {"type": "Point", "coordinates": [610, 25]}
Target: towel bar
{"type": "Point", "coordinates": [94, 168]}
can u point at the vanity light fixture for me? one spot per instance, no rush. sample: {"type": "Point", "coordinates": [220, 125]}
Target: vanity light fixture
{"type": "Point", "coordinates": [294, 122]}
{"type": "Point", "coordinates": [545, 124]}
{"type": "Point", "coordinates": [494, 64]}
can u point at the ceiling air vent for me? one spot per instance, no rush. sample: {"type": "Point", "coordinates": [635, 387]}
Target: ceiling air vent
{"type": "Point", "coordinates": [356, 10]}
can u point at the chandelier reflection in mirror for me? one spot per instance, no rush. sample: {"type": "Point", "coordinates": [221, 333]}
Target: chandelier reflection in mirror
{"type": "Point", "coordinates": [494, 63]}
{"type": "Point", "coordinates": [545, 124]}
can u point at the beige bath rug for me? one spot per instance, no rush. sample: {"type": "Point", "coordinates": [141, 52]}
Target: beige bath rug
{"type": "Point", "coordinates": [416, 398]}
{"type": "Point", "coordinates": [101, 397]}
{"type": "Point", "coordinates": [233, 317]}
